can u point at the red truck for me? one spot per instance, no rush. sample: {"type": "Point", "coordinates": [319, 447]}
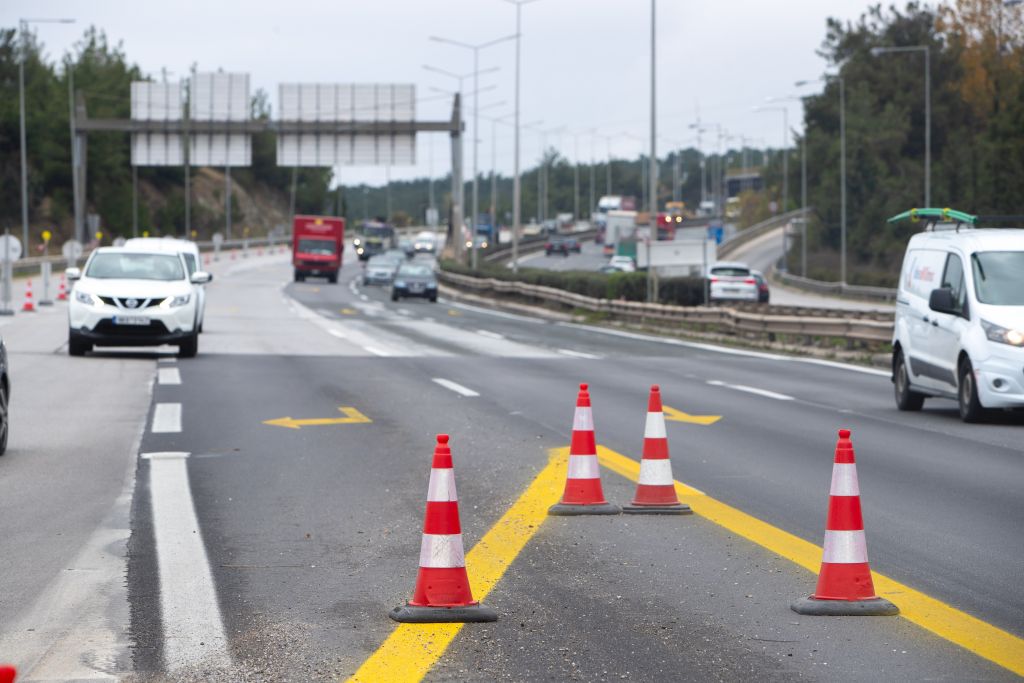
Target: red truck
{"type": "Point", "coordinates": [317, 246]}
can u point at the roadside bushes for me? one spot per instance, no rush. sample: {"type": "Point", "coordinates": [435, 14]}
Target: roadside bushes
{"type": "Point", "coordinates": [681, 291]}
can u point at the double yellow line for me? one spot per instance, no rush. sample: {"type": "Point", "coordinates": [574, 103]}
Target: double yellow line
{"type": "Point", "coordinates": [413, 649]}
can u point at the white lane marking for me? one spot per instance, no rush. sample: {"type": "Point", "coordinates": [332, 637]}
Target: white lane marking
{"type": "Point", "coordinates": [457, 388]}
{"type": "Point", "coordinates": [169, 359]}
{"type": "Point", "coordinates": [337, 333]}
{"type": "Point", "coordinates": [168, 376]}
{"type": "Point", "coordinates": [578, 354]}
{"type": "Point", "coordinates": [192, 624]}
{"type": "Point", "coordinates": [404, 311]}
{"type": "Point", "coordinates": [378, 352]}
{"type": "Point", "coordinates": [353, 287]}
{"type": "Point", "coordinates": [751, 390]}
{"type": "Point", "coordinates": [489, 334]}
{"type": "Point", "coordinates": [727, 350]}
{"type": "Point", "coordinates": [166, 418]}
{"type": "Point", "coordinates": [498, 314]}
{"type": "Point", "coordinates": [364, 297]}
{"type": "Point", "coordinates": [327, 313]}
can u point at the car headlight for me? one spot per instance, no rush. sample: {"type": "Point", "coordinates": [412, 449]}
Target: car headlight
{"type": "Point", "coordinates": [87, 299]}
{"type": "Point", "coordinates": [175, 301]}
{"type": "Point", "coordinates": [1002, 335]}
{"type": "Point", "coordinates": [357, 241]}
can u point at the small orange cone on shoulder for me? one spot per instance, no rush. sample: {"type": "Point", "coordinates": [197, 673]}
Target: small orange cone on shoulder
{"type": "Point", "coordinates": [7, 674]}
{"type": "Point", "coordinates": [583, 494]}
{"type": "Point", "coordinates": [442, 592]}
{"type": "Point", "coordinates": [656, 488]}
{"type": "Point", "coordinates": [845, 587]}
{"type": "Point", "coordinates": [28, 306]}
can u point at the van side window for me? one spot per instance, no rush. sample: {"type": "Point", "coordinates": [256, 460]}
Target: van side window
{"type": "Point", "coordinates": [953, 277]}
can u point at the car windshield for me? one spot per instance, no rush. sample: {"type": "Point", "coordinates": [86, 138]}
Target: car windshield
{"type": "Point", "coordinates": [731, 271]}
{"type": "Point", "coordinates": [424, 237]}
{"type": "Point", "coordinates": [414, 270]}
{"type": "Point", "coordinates": [316, 247]}
{"type": "Point", "coordinates": [999, 277]}
{"type": "Point", "coordinates": [382, 261]}
{"type": "Point", "coordinates": [133, 266]}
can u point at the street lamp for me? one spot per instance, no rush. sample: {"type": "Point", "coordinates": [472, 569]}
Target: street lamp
{"type": "Point", "coordinates": [516, 181]}
{"type": "Point", "coordinates": [842, 170]}
{"type": "Point", "coordinates": [876, 51]}
{"type": "Point", "coordinates": [23, 30]}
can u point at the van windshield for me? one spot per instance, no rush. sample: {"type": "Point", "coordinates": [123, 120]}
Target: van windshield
{"type": "Point", "coordinates": [999, 277]}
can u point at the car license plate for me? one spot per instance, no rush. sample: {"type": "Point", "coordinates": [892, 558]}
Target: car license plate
{"type": "Point", "coordinates": [130, 320]}
{"type": "Point", "coordinates": [732, 290]}
{"type": "Point", "coordinates": [416, 288]}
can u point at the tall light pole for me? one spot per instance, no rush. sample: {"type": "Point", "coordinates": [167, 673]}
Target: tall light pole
{"type": "Point", "coordinates": [876, 51]}
{"type": "Point", "coordinates": [516, 181]}
{"type": "Point", "coordinates": [475, 49]}
{"type": "Point", "coordinates": [23, 31]}
{"type": "Point", "coordinates": [652, 171]}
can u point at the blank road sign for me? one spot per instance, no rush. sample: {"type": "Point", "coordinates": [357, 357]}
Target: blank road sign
{"type": "Point", "coordinates": [156, 102]}
{"type": "Point", "coordinates": [220, 97]}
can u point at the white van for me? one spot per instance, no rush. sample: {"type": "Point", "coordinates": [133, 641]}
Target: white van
{"type": "Point", "coordinates": [189, 251]}
{"type": "Point", "coordinates": [959, 329]}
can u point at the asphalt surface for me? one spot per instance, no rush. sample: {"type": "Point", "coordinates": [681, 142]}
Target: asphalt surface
{"type": "Point", "coordinates": [311, 535]}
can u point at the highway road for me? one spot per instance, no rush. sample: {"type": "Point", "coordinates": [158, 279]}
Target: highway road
{"type": "Point", "coordinates": [262, 549]}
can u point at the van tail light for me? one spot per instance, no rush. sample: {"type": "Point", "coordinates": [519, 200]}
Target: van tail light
{"type": "Point", "coordinates": [750, 281]}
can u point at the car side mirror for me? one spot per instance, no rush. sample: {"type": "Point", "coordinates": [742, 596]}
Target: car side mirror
{"type": "Point", "coordinates": [73, 274]}
{"type": "Point", "coordinates": [941, 301]}
{"type": "Point", "coordinates": [200, 277]}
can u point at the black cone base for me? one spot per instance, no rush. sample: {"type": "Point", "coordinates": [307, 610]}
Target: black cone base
{"type": "Point", "coordinates": [875, 607]}
{"type": "Point", "coordinates": [564, 510]}
{"type": "Point", "coordinates": [679, 509]}
{"type": "Point", "coordinates": [412, 614]}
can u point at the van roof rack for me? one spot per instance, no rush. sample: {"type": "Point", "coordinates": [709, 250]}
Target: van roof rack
{"type": "Point", "coordinates": [951, 218]}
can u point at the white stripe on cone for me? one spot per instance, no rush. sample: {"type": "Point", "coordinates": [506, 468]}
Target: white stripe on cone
{"type": "Point", "coordinates": [442, 486]}
{"type": "Point", "coordinates": [844, 480]}
{"type": "Point", "coordinates": [845, 547]}
{"type": "Point", "coordinates": [655, 473]}
{"type": "Point", "coordinates": [655, 426]}
{"type": "Point", "coordinates": [442, 551]}
{"type": "Point", "coordinates": [583, 467]}
{"type": "Point", "coordinates": [583, 420]}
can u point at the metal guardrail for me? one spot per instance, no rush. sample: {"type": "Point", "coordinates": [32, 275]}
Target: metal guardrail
{"type": "Point", "coordinates": [754, 231]}
{"type": "Point", "coordinates": [851, 327]}
{"type": "Point", "coordinates": [837, 288]}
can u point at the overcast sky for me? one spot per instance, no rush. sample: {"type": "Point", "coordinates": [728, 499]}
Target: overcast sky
{"type": "Point", "coordinates": [585, 63]}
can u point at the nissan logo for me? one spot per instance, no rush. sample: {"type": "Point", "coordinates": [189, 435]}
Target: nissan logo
{"type": "Point", "coordinates": [132, 303]}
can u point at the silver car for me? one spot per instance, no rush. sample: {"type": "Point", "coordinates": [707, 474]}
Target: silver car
{"type": "Point", "coordinates": [732, 281]}
{"type": "Point", "coordinates": [380, 270]}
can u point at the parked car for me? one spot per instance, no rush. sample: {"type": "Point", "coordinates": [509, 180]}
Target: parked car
{"type": "Point", "coordinates": [380, 270]}
{"type": "Point", "coordinates": [562, 245]}
{"type": "Point", "coordinates": [959, 324]}
{"type": "Point", "coordinates": [732, 281]}
{"type": "Point", "coordinates": [763, 295]}
{"type": "Point", "coordinates": [131, 297]}
{"type": "Point", "coordinates": [414, 280]}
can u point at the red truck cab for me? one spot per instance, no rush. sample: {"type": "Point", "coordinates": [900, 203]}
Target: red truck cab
{"type": "Point", "coordinates": [317, 246]}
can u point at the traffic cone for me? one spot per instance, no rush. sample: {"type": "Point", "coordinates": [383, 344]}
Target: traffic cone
{"type": "Point", "coordinates": [442, 592]}
{"type": "Point", "coordinates": [583, 494]}
{"type": "Point", "coordinates": [656, 489]}
{"type": "Point", "coordinates": [844, 583]}
{"type": "Point", "coordinates": [7, 674]}
{"type": "Point", "coordinates": [62, 291]}
{"type": "Point", "coordinates": [28, 306]}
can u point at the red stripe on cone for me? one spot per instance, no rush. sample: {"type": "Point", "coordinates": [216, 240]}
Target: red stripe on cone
{"type": "Point", "coordinates": [583, 494]}
{"type": "Point", "coordinates": [28, 306]}
{"type": "Point", "coordinates": [7, 674]}
{"type": "Point", "coordinates": [62, 293]}
{"type": "Point", "coordinates": [655, 490]}
{"type": "Point", "coordinates": [845, 582]}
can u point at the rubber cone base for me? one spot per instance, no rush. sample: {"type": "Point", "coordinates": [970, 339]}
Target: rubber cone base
{"type": "Point", "coordinates": [679, 509]}
{"type": "Point", "coordinates": [874, 607]}
{"type": "Point", "coordinates": [567, 510]}
{"type": "Point", "coordinates": [411, 614]}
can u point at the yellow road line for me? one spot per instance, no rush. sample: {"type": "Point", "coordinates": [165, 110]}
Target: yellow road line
{"type": "Point", "coordinates": [973, 634]}
{"type": "Point", "coordinates": [412, 649]}
{"type": "Point", "coordinates": [673, 415]}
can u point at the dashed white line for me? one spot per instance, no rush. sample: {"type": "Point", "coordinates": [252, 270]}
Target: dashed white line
{"type": "Point", "coordinates": [578, 354]}
{"type": "Point", "coordinates": [404, 311]}
{"type": "Point", "coordinates": [166, 418]}
{"type": "Point", "coordinates": [751, 390]}
{"type": "Point", "coordinates": [489, 334]}
{"type": "Point", "coordinates": [189, 611]}
{"type": "Point", "coordinates": [377, 352]}
{"type": "Point", "coordinates": [167, 359]}
{"type": "Point", "coordinates": [168, 376]}
{"type": "Point", "coordinates": [364, 297]}
{"type": "Point", "coordinates": [337, 333]}
{"type": "Point", "coordinates": [457, 388]}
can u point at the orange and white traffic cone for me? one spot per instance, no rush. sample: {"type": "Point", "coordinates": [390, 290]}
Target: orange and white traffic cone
{"type": "Point", "coordinates": [62, 291]}
{"type": "Point", "coordinates": [656, 489]}
{"type": "Point", "coordinates": [8, 674]}
{"type": "Point", "coordinates": [442, 592]}
{"type": "Point", "coordinates": [583, 494]}
{"type": "Point", "coordinates": [28, 306]}
{"type": "Point", "coordinates": [845, 587]}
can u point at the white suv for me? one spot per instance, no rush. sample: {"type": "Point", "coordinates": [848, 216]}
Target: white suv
{"type": "Point", "coordinates": [959, 329]}
{"type": "Point", "coordinates": [132, 297]}
{"type": "Point", "coordinates": [188, 249]}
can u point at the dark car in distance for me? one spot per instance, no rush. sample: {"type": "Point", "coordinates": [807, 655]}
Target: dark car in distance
{"type": "Point", "coordinates": [562, 245]}
{"type": "Point", "coordinates": [414, 279]}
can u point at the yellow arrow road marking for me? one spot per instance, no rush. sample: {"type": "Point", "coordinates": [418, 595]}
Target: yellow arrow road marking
{"type": "Point", "coordinates": [452, 312]}
{"type": "Point", "coordinates": [349, 311]}
{"type": "Point", "coordinates": [352, 416]}
{"type": "Point", "coordinates": [673, 415]}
